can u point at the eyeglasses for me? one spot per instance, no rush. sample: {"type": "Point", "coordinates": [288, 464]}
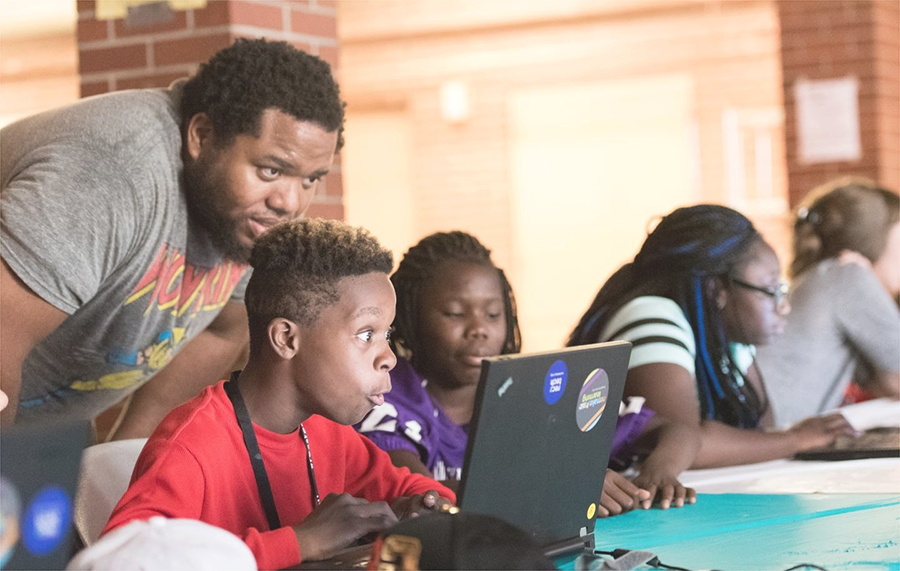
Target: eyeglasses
{"type": "Point", "coordinates": [779, 293]}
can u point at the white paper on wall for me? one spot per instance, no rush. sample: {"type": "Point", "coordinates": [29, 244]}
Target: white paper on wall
{"type": "Point", "coordinates": [828, 120]}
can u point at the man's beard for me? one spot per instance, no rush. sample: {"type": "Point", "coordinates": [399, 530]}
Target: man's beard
{"type": "Point", "coordinates": [204, 201]}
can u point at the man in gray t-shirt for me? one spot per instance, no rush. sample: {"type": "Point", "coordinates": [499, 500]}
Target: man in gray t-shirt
{"type": "Point", "coordinates": [126, 227]}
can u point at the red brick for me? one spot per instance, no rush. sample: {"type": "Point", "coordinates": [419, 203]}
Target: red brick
{"type": "Point", "coordinates": [109, 59]}
{"type": "Point", "coordinates": [84, 5]}
{"type": "Point", "coordinates": [333, 211]}
{"type": "Point", "coordinates": [150, 80]}
{"type": "Point", "coordinates": [314, 24]}
{"type": "Point", "coordinates": [216, 13]}
{"type": "Point", "coordinates": [332, 4]}
{"type": "Point", "coordinates": [92, 30]}
{"type": "Point", "coordinates": [189, 50]}
{"type": "Point", "coordinates": [258, 15]}
{"type": "Point", "coordinates": [94, 88]}
{"type": "Point", "coordinates": [330, 55]}
{"type": "Point", "coordinates": [178, 22]}
{"type": "Point", "coordinates": [303, 46]}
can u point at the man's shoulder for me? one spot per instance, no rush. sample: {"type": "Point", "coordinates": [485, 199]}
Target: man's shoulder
{"type": "Point", "coordinates": [117, 126]}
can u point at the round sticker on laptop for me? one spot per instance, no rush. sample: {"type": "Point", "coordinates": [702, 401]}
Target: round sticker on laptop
{"type": "Point", "coordinates": [47, 520]}
{"type": "Point", "coordinates": [592, 399]}
{"type": "Point", "coordinates": [10, 508]}
{"type": "Point", "coordinates": [555, 382]}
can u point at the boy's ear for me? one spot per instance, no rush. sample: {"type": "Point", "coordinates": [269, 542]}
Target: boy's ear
{"type": "Point", "coordinates": [284, 337]}
{"type": "Point", "coordinates": [199, 134]}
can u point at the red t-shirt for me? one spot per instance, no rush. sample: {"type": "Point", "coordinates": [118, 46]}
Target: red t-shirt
{"type": "Point", "coordinates": [195, 465]}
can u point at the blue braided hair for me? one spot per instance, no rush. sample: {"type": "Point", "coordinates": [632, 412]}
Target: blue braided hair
{"type": "Point", "coordinates": [686, 249]}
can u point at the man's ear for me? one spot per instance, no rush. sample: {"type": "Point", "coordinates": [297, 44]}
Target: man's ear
{"type": "Point", "coordinates": [716, 291]}
{"type": "Point", "coordinates": [284, 337]}
{"type": "Point", "coordinates": [199, 134]}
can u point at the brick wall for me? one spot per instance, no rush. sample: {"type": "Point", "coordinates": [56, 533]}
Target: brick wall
{"type": "Point", "coordinates": [840, 38]}
{"type": "Point", "coordinates": [114, 55]}
{"type": "Point", "coordinates": [886, 53]}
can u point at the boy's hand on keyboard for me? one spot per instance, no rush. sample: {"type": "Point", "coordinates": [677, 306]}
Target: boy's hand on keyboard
{"type": "Point", "coordinates": [412, 506]}
{"type": "Point", "coordinates": [340, 520]}
{"type": "Point", "coordinates": [620, 495]}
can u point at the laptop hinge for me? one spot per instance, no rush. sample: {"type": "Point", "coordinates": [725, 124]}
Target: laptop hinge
{"type": "Point", "coordinates": [588, 538]}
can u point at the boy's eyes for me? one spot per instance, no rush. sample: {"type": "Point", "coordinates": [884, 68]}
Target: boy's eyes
{"type": "Point", "coordinates": [269, 173]}
{"type": "Point", "coordinates": [367, 335]}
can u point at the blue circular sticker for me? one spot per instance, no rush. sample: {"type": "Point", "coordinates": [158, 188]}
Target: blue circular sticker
{"type": "Point", "coordinates": [10, 512]}
{"type": "Point", "coordinates": [46, 520]}
{"type": "Point", "coordinates": [555, 382]}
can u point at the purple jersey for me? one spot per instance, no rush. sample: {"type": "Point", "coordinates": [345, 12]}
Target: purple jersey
{"type": "Point", "coordinates": [633, 419]}
{"type": "Point", "coordinates": [410, 419]}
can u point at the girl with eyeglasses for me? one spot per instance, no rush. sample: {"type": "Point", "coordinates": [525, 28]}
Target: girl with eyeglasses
{"type": "Point", "coordinates": [844, 325]}
{"type": "Point", "coordinates": [701, 293]}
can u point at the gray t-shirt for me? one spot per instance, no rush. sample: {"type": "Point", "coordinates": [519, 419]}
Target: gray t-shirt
{"type": "Point", "coordinates": [93, 219]}
{"type": "Point", "coordinates": [841, 317]}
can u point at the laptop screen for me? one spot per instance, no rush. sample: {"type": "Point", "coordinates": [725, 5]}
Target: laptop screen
{"type": "Point", "coordinates": [541, 436]}
{"type": "Point", "coordinates": [39, 468]}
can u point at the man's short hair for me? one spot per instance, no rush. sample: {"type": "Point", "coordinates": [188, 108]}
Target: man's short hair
{"type": "Point", "coordinates": [297, 266]}
{"type": "Point", "coordinates": [250, 76]}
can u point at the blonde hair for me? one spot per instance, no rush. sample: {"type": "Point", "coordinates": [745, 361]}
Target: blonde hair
{"type": "Point", "coordinates": [850, 213]}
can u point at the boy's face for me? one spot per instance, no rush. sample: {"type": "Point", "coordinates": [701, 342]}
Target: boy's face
{"type": "Point", "coordinates": [343, 363]}
{"type": "Point", "coordinates": [463, 320]}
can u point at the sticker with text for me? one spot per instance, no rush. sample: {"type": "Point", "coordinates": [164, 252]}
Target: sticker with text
{"type": "Point", "coordinates": [592, 399]}
{"type": "Point", "coordinates": [555, 382]}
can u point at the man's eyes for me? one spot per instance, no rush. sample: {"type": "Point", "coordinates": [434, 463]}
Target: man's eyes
{"type": "Point", "coordinates": [269, 173]}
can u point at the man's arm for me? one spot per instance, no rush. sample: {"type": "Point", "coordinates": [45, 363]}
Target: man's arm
{"type": "Point", "coordinates": [206, 359]}
{"type": "Point", "coordinates": [25, 319]}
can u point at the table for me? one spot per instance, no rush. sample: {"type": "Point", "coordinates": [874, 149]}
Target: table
{"type": "Point", "coordinates": [736, 532]}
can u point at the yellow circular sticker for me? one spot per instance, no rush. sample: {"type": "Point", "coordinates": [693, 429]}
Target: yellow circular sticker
{"type": "Point", "coordinates": [592, 510]}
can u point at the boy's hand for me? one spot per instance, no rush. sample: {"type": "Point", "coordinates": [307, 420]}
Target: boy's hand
{"type": "Point", "coordinates": [664, 488]}
{"type": "Point", "coordinates": [411, 506]}
{"type": "Point", "coordinates": [339, 521]}
{"type": "Point", "coordinates": [620, 495]}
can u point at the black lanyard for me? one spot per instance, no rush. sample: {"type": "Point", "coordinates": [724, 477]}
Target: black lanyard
{"type": "Point", "coordinates": [256, 460]}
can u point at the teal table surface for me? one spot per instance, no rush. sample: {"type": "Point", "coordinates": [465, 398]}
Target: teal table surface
{"type": "Point", "coordinates": [735, 532]}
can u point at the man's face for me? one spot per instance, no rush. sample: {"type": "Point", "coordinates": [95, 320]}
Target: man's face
{"type": "Point", "coordinates": [343, 364]}
{"type": "Point", "coordinates": [239, 190]}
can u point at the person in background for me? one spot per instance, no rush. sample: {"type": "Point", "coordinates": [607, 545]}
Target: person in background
{"type": "Point", "coordinates": [269, 454]}
{"type": "Point", "coordinates": [455, 308]}
{"type": "Point", "coordinates": [127, 223]}
{"type": "Point", "coordinates": [844, 322]}
{"type": "Point", "coordinates": [703, 290]}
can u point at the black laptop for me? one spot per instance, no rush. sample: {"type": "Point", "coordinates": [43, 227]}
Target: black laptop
{"type": "Point", "coordinates": [878, 442]}
{"type": "Point", "coordinates": [539, 443]}
{"type": "Point", "coordinates": [39, 468]}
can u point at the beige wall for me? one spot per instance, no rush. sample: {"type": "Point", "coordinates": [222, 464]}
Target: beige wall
{"type": "Point", "coordinates": [397, 56]}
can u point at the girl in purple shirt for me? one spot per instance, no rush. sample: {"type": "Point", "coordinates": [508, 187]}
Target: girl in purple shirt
{"type": "Point", "coordinates": [454, 308]}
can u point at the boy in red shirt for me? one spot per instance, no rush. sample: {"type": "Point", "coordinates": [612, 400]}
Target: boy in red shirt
{"type": "Point", "coordinates": [255, 454]}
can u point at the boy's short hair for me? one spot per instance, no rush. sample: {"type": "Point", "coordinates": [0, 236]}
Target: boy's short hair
{"type": "Point", "coordinates": [297, 266]}
{"type": "Point", "coordinates": [241, 81]}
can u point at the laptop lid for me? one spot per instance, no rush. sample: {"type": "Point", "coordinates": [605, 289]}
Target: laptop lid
{"type": "Point", "coordinates": [878, 442]}
{"type": "Point", "coordinates": [541, 436]}
{"type": "Point", "coordinates": [39, 468]}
